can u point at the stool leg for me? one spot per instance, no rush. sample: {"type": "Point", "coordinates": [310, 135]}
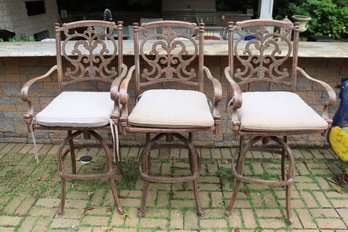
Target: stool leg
{"type": "Point", "coordinates": [111, 170]}
{"type": "Point", "coordinates": [283, 159]}
{"type": "Point", "coordinates": [200, 210]}
{"type": "Point", "coordinates": [72, 153]}
{"type": "Point", "coordinates": [115, 195]}
{"type": "Point", "coordinates": [290, 175]}
{"type": "Point", "coordinates": [62, 196]}
{"type": "Point", "coordinates": [193, 158]}
{"type": "Point", "coordinates": [61, 154]}
{"type": "Point", "coordinates": [143, 199]}
{"type": "Point", "coordinates": [288, 203]}
{"type": "Point", "coordinates": [239, 170]}
{"type": "Point", "coordinates": [145, 159]}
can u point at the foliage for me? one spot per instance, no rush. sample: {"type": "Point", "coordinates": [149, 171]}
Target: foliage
{"type": "Point", "coordinates": [329, 17]}
{"type": "Point", "coordinates": [130, 173]}
{"type": "Point", "coordinates": [22, 38]}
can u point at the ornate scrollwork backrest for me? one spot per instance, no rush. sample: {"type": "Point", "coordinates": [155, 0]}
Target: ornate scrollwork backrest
{"type": "Point", "coordinates": [168, 50]}
{"type": "Point", "coordinates": [261, 49]}
{"type": "Point", "coordinates": [88, 53]}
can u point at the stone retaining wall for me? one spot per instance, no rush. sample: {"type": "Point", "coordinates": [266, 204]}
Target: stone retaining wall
{"type": "Point", "coordinates": [14, 72]}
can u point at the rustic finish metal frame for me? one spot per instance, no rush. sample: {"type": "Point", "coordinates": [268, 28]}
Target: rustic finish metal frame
{"type": "Point", "coordinates": [164, 57]}
{"type": "Point", "coordinates": [96, 56]}
{"type": "Point", "coordinates": [261, 60]}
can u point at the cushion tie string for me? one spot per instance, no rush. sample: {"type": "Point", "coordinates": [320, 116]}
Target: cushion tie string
{"type": "Point", "coordinates": [115, 141]}
{"type": "Point", "coordinates": [31, 130]}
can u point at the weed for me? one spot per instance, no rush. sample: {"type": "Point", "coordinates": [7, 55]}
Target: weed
{"type": "Point", "coordinates": [130, 173]}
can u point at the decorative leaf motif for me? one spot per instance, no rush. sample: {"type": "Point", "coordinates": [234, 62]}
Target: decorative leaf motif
{"type": "Point", "coordinates": [262, 57]}
{"type": "Point", "coordinates": [168, 58]}
{"type": "Point", "coordinates": [90, 57]}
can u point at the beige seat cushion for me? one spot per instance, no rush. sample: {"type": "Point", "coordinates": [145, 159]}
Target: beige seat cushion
{"type": "Point", "coordinates": [77, 109]}
{"type": "Point", "coordinates": [278, 111]}
{"type": "Point", "coordinates": [168, 108]}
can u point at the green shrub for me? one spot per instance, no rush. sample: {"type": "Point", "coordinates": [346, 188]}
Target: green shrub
{"type": "Point", "coordinates": [329, 17]}
{"type": "Point", "coordinates": [22, 38]}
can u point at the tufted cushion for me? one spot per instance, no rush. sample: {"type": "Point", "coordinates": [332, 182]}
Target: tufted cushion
{"type": "Point", "coordinates": [77, 109]}
{"type": "Point", "coordinates": [168, 108]}
{"type": "Point", "coordinates": [274, 111]}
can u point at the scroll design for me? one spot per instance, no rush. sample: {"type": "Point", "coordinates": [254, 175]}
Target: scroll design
{"type": "Point", "coordinates": [168, 58]}
{"type": "Point", "coordinates": [90, 58]}
{"type": "Point", "coordinates": [262, 58]}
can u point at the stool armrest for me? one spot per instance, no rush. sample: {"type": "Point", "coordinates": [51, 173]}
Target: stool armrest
{"type": "Point", "coordinates": [28, 117]}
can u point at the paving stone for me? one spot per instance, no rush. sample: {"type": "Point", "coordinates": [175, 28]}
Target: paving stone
{"type": "Point", "coordinates": [268, 213]}
{"type": "Point", "coordinates": [215, 153]}
{"type": "Point", "coordinates": [323, 183]}
{"type": "Point", "coordinates": [132, 218]}
{"type": "Point", "coordinates": [235, 220]}
{"type": "Point", "coordinates": [9, 220]}
{"type": "Point", "coordinates": [301, 169]}
{"type": "Point", "coordinates": [338, 203]}
{"type": "Point", "coordinates": [162, 199]}
{"type": "Point", "coordinates": [117, 219]}
{"type": "Point", "coordinates": [97, 197]}
{"type": "Point", "coordinates": [331, 223]}
{"type": "Point", "coordinates": [123, 230]}
{"type": "Point", "coordinates": [272, 223]}
{"type": "Point", "coordinates": [25, 206]}
{"type": "Point", "coordinates": [76, 204]}
{"type": "Point", "coordinates": [216, 199]}
{"type": "Point", "coordinates": [344, 214]}
{"type": "Point", "coordinates": [48, 202]}
{"type": "Point", "coordinates": [176, 219]}
{"type": "Point", "coordinates": [131, 202]}
{"type": "Point", "coordinates": [95, 220]}
{"type": "Point", "coordinates": [226, 153]}
{"type": "Point", "coordinates": [41, 211]}
{"type": "Point", "coordinates": [153, 223]}
{"type": "Point", "coordinates": [64, 223]}
{"type": "Point", "coordinates": [77, 195]}
{"type": "Point", "coordinates": [205, 153]}
{"type": "Point", "coordinates": [190, 220]}
{"type": "Point", "coordinates": [14, 204]}
{"type": "Point", "coordinates": [42, 224]}
{"type": "Point", "coordinates": [209, 179]}
{"type": "Point", "coordinates": [321, 198]}
{"type": "Point", "coordinates": [183, 195]}
{"type": "Point", "coordinates": [213, 223]}
{"type": "Point", "coordinates": [306, 219]}
{"type": "Point", "coordinates": [27, 224]}
{"type": "Point", "coordinates": [85, 229]}
{"type": "Point", "coordinates": [7, 229]}
{"type": "Point", "coordinates": [309, 200]}
{"type": "Point", "coordinates": [177, 204]}
{"type": "Point", "coordinates": [157, 213]}
{"type": "Point", "coordinates": [204, 199]}
{"type": "Point", "coordinates": [99, 211]}
{"type": "Point", "coordinates": [73, 213]}
{"type": "Point", "coordinates": [175, 153]}
{"type": "Point", "coordinates": [324, 213]}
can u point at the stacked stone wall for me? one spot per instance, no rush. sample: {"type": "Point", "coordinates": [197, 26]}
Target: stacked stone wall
{"type": "Point", "coordinates": [14, 72]}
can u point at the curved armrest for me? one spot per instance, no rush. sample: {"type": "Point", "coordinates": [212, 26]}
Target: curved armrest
{"type": "Point", "coordinates": [123, 94]}
{"type": "Point", "coordinates": [25, 93]}
{"type": "Point", "coordinates": [217, 93]}
{"type": "Point", "coordinates": [114, 92]}
{"type": "Point", "coordinates": [234, 94]}
{"type": "Point", "coordinates": [331, 93]}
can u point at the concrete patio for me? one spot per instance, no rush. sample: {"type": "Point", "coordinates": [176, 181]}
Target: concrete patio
{"type": "Point", "coordinates": [29, 194]}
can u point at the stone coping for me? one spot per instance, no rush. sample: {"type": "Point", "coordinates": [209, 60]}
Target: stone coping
{"type": "Point", "coordinates": [212, 48]}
